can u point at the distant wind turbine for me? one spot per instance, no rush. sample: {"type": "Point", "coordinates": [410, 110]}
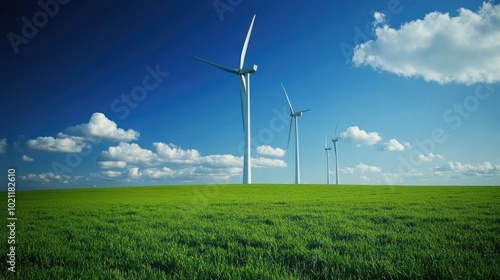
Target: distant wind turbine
{"type": "Point", "coordinates": [244, 79]}
{"type": "Point", "coordinates": [335, 140]}
{"type": "Point", "coordinates": [327, 150]}
{"type": "Point", "coordinates": [294, 116]}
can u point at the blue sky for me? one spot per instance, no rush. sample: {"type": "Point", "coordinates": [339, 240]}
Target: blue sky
{"type": "Point", "coordinates": [96, 94]}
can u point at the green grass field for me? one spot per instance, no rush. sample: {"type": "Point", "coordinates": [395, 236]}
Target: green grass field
{"type": "Point", "coordinates": [257, 232]}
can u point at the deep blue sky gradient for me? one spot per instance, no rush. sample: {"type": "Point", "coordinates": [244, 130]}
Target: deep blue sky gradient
{"type": "Point", "coordinates": [92, 52]}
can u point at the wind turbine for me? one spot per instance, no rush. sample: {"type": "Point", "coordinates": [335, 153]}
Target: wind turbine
{"type": "Point", "coordinates": [244, 79]}
{"type": "Point", "coordinates": [294, 116]}
{"type": "Point", "coordinates": [327, 150]}
{"type": "Point", "coordinates": [335, 140]}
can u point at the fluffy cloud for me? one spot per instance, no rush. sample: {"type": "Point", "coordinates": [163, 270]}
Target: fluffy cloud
{"type": "Point", "coordinates": [26, 158]}
{"type": "Point", "coordinates": [112, 164]}
{"type": "Point", "coordinates": [111, 174]}
{"type": "Point", "coordinates": [365, 179]}
{"type": "Point", "coordinates": [482, 169]}
{"type": "Point", "coordinates": [3, 145]}
{"type": "Point", "coordinates": [463, 49]}
{"type": "Point", "coordinates": [63, 144]}
{"type": "Point", "coordinates": [129, 153]}
{"type": "Point", "coordinates": [76, 138]}
{"type": "Point", "coordinates": [154, 173]}
{"type": "Point", "coordinates": [126, 153]}
{"type": "Point", "coordinates": [187, 165]}
{"type": "Point", "coordinates": [403, 178]}
{"type": "Point", "coordinates": [222, 161]}
{"type": "Point", "coordinates": [183, 174]}
{"type": "Point", "coordinates": [49, 178]}
{"type": "Point", "coordinates": [355, 134]}
{"type": "Point", "coordinates": [173, 153]}
{"type": "Point", "coordinates": [394, 146]}
{"type": "Point", "coordinates": [430, 157]}
{"type": "Point", "coordinates": [266, 150]}
{"type": "Point", "coordinates": [262, 162]}
{"type": "Point", "coordinates": [378, 18]}
{"type": "Point", "coordinates": [100, 127]}
{"type": "Point", "coordinates": [361, 168]}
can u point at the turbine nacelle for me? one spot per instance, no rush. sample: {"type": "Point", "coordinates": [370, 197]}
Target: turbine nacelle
{"type": "Point", "coordinates": [335, 138]}
{"type": "Point", "coordinates": [250, 70]}
{"type": "Point", "coordinates": [299, 113]}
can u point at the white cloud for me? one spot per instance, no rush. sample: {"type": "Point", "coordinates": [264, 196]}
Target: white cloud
{"type": "Point", "coordinates": [100, 127]}
{"type": "Point", "coordinates": [129, 153]}
{"type": "Point", "coordinates": [126, 153]}
{"type": "Point", "coordinates": [222, 161]}
{"type": "Point", "coordinates": [362, 168]}
{"type": "Point", "coordinates": [391, 178]}
{"type": "Point", "coordinates": [402, 178]}
{"type": "Point", "coordinates": [76, 138]}
{"type": "Point", "coordinates": [463, 49]}
{"type": "Point", "coordinates": [368, 168]}
{"type": "Point", "coordinates": [133, 172]}
{"type": "Point", "coordinates": [155, 173]}
{"type": "Point", "coordinates": [429, 157]}
{"type": "Point", "coordinates": [49, 178]}
{"type": "Point", "coordinates": [111, 174]}
{"type": "Point", "coordinates": [365, 179]}
{"type": "Point", "coordinates": [186, 164]}
{"type": "Point", "coordinates": [355, 134]}
{"type": "Point", "coordinates": [112, 164]}
{"type": "Point", "coordinates": [183, 174]}
{"type": "Point", "coordinates": [3, 145]}
{"type": "Point", "coordinates": [266, 150]}
{"type": "Point", "coordinates": [348, 170]}
{"type": "Point", "coordinates": [61, 144]}
{"type": "Point", "coordinates": [173, 153]}
{"type": "Point", "coordinates": [393, 146]}
{"type": "Point", "coordinates": [456, 168]}
{"type": "Point", "coordinates": [262, 162]}
{"type": "Point", "coordinates": [26, 158]}
{"type": "Point", "coordinates": [379, 18]}
{"type": "Point", "coordinates": [233, 161]}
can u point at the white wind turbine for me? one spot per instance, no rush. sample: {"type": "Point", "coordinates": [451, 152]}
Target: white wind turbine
{"type": "Point", "coordinates": [327, 150]}
{"type": "Point", "coordinates": [244, 79]}
{"type": "Point", "coordinates": [294, 116]}
{"type": "Point", "coordinates": [335, 140]}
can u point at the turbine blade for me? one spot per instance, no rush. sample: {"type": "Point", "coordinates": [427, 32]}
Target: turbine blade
{"type": "Point", "coordinates": [326, 143]}
{"type": "Point", "coordinates": [303, 111]}
{"type": "Point", "coordinates": [243, 99]}
{"type": "Point", "coordinates": [289, 133]}
{"type": "Point", "coordinates": [288, 99]}
{"type": "Point", "coordinates": [335, 133]}
{"type": "Point", "coordinates": [245, 46]}
{"type": "Point", "coordinates": [224, 68]}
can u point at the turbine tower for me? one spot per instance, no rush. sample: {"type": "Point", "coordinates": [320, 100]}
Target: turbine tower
{"type": "Point", "coordinates": [327, 150]}
{"type": "Point", "coordinates": [335, 140]}
{"type": "Point", "coordinates": [294, 117]}
{"type": "Point", "coordinates": [243, 74]}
